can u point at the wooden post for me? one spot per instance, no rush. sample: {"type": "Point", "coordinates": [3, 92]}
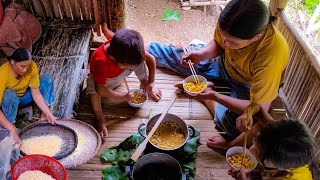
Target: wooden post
{"type": "Point", "coordinates": [56, 9]}
{"type": "Point", "coordinates": [115, 14]}
{"type": "Point", "coordinates": [96, 17]}
{"type": "Point", "coordinates": [276, 7]}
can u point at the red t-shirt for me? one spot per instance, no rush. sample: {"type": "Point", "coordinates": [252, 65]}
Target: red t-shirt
{"type": "Point", "coordinates": [102, 67]}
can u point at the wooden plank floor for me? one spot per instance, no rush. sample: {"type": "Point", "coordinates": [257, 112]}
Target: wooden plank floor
{"type": "Point", "coordinates": [124, 120]}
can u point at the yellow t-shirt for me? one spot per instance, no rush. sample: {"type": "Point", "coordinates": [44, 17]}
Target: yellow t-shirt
{"type": "Point", "coordinates": [261, 64]}
{"type": "Point", "coordinates": [301, 173]}
{"type": "Point", "coordinates": [28, 79]}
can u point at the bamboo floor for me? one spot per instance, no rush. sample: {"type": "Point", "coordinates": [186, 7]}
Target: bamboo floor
{"type": "Point", "coordinates": [123, 120]}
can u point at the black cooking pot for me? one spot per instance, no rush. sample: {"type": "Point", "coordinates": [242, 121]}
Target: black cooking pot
{"type": "Point", "coordinates": [157, 166]}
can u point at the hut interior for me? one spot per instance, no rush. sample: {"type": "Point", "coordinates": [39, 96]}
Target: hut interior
{"type": "Point", "coordinates": [63, 50]}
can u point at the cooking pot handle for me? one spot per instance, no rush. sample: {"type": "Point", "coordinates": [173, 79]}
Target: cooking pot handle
{"type": "Point", "coordinates": [185, 174]}
{"type": "Point", "coordinates": [128, 172]}
{"type": "Point", "coordinates": [140, 129]}
{"type": "Point", "coordinates": [193, 132]}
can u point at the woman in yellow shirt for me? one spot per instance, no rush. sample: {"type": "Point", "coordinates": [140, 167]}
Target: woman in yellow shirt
{"type": "Point", "coordinates": [21, 85]}
{"type": "Point", "coordinates": [247, 52]}
{"type": "Point", "coordinates": [286, 151]}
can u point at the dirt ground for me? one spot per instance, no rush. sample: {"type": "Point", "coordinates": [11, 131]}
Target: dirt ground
{"type": "Point", "coordinates": [145, 17]}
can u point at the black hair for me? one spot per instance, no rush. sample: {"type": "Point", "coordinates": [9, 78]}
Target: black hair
{"type": "Point", "coordinates": [21, 54]}
{"type": "Point", "coordinates": [127, 47]}
{"type": "Point", "coordinates": [245, 18]}
{"type": "Point", "coordinates": [286, 143]}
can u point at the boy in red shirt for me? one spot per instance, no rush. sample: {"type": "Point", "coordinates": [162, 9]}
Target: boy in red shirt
{"type": "Point", "coordinates": [111, 63]}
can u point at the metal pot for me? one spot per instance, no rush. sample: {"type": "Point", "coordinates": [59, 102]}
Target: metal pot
{"type": "Point", "coordinates": [168, 118]}
{"type": "Point", "coordinates": [157, 166]}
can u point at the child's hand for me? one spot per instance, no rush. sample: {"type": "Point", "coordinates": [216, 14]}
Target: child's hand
{"type": "Point", "coordinates": [143, 84]}
{"type": "Point", "coordinates": [129, 96]}
{"type": "Point", "coordinates": [239, 175]}
{"type": "Point", "coordinates": [154, 93]}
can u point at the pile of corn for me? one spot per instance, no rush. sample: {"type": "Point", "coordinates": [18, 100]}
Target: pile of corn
{"type": "Point", "coordinates": [167, 136]}
{"type": "Point", "coordinates": [138, 98]}
{"type": "Point", "coordinates": [237, 160]}
{"type": "Point", "coordinates": [33, 175]}
{"type": "Point", "coordinates": [48, 145]}
{"type": "Point", "coordinates": [80, 146]}
{"type": "Point", "coordinates": [195, 87]}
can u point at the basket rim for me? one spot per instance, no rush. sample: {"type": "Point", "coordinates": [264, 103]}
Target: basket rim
{"type": "Point", "coordinates": [37, 155]}
{"type": "Point", "coordinates": [59, 156]}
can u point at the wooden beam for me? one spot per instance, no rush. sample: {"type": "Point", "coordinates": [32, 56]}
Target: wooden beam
{"type": "Point", "coordinates": [203, 3]}
{"type": "Point", "coordinates": [67, 23]}
{"type": "Point", "coordinates": [277, 6]}
{"type": "Point", "coordinates": [96, 17]}
{"type": "Point", "coordinates": [302, 43]}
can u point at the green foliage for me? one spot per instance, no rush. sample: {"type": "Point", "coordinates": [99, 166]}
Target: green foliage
{"type": "Point", "coordinates": [169, 14]}
{"type": "Point", "coordinates": [113, 173]}
{"type": "Point", "coordinates": [120, 155]}
{"type": "Point", "coordinates": [311, 5]}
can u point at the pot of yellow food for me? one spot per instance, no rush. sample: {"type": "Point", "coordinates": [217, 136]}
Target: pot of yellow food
{"type": "Point", "coordinates": [171, 134]}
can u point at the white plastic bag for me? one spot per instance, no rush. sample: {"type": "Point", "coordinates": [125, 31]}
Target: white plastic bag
{"type": "Point", "coordinates": [8, 155]}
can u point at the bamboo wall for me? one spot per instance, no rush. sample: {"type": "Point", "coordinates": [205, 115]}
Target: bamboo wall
{"type": "Point", "coordinates": [110, 11]}
{"type": "Point", "coordinates": [302, 82]}
{"type": "Point", "coordinates": [63, 53]}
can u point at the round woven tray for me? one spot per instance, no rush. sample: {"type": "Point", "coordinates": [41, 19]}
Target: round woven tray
{"type": "Point", "coordinates": [85, 150]}
{"type": "Point", "coordinates": [68, 136]}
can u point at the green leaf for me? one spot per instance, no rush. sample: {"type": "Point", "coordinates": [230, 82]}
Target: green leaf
{"type": "Point", "coordinates": [124, 156]}
{"type": "Point", "coordinates": [169, 14]}
{"type": "Point", "coordinates": [113, 173]}
{"type": "Point", "coordinates": [120, 156]}
{"type": "Point", "coordinates": [192, 144]}
{"type": "Point", "coordinates": [131, 142]}
{"type": "Point", "coordinates": [190, 165]}
{"type": "Point", "coordinates": [110, 155]}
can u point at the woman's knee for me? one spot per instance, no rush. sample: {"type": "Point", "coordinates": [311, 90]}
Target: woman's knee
{"type": "Point", "coordinates": [10, 104]}
{"type": "Point", "coordinates": [10, 97]}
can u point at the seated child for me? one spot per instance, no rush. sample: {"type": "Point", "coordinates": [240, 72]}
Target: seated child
{"type": "Point", "coordinates": [285, 149]}
{"type": "Point", "coordinates": [111, 63]}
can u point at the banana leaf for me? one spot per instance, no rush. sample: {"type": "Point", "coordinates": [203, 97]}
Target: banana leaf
{"type": "Point", "coordinates": [120, 155]}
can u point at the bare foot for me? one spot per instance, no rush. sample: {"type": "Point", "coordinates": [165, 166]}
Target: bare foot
{"type": "Point", "coordinates": [217, 141]}
{"type": "Point", "coordinates": [155, 94]}
{"type": "Point", "coordinates": [101, 127]}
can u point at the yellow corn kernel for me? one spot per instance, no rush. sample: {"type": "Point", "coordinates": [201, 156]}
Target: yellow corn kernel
{"type": "Point", "coordinates": [167, 136]}
{"type": "Point", "coordinates": [194, 87]}
{"type": "Point", "coordinates": [236, 161]}
{"type": "Point", "coordinates": [138, 98]}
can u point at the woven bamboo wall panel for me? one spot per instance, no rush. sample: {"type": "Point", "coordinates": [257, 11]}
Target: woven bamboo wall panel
{"type": "Point", "coordinates": [302, 82]}
{"type": "Point", "coordinates": [110, 11]}
{"type": "Point", "coordinates": [63, 53]}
